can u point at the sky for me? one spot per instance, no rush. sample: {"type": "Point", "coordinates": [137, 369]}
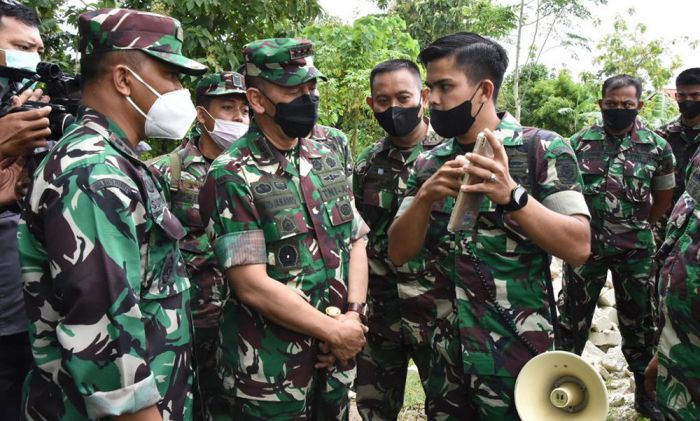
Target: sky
{"type": "Point", "coordinates": [670, 19]}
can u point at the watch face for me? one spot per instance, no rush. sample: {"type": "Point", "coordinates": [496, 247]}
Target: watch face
{"type": "Point", "coordinates": [518, 194]}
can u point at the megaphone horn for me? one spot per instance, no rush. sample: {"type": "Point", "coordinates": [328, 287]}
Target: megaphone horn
{"type": "Point", "coordinates": [559, 385]}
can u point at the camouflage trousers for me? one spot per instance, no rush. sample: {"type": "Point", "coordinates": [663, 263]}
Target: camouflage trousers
{"type": "Point", "coordinates": [634, 289]}
{"type": "Point", "coordinates": [382, 366]}
{"type": "Point", "coordinates": [332, 403]}
{"type": "Point", "coordinates": [207, 390]}
{"type": "Point", "coordinates": [392, 341]}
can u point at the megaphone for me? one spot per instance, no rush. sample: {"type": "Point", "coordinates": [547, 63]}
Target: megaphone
{"type": "Point", "coordinates": [559, 385]}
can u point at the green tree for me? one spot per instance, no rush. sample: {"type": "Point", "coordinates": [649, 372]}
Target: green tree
{"type": "Point", "coordinates": [428, 20]}
{"type": "Point", "coordinates": [548, 22]}
{"type": "Point", "coordinates": [561, 104]}
{"type": "Point", "coordinates": [347, 54]}
{"type": "Point", "coordinates": [530, 74]}
{"type": "Point", "coordinates": [630, 50]}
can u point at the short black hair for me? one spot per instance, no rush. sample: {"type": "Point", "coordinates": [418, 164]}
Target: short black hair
{"type": "Point", "coordinates": [15, 10]}
{"type": "Point", "coordinates": [94, 66]}
{"type": "Point", "coordinates": [202, 100]}
{"type": "Point", "coordinates": [689, 77]}
{"type": "Point", "coordinates": [622, 81]}
{"type": "Point", "coordinates": [394, 66]}
{"type": "Point", "coordinates": [479, 57]}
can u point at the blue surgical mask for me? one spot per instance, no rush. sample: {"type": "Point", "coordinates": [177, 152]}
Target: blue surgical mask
{"type": "Point", "coordinates": [22, 59]}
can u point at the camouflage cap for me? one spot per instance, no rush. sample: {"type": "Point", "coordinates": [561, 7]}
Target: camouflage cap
{"type": "Point", "coordinates": [284, 61]}
{"type": "Point", "coordinates": [222, 83]}
{"type": "Point", "coordinates": [124, 29]}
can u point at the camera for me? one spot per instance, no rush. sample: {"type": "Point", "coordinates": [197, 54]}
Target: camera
{"type": "Point", "coordinates": [64, 91]}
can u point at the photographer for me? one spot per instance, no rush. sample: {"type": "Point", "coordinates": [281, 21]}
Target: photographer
{"type": "Point", "coordinates": [20, 133]}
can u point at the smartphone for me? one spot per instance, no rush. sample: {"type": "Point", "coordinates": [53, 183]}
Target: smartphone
{"type": "Point", "coordinates": [466, 208]}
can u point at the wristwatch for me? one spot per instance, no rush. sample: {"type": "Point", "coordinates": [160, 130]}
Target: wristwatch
{"type": "Point", "coordinates": [518, 199]}
{"type": "Point", "coordinates": [359, 308]}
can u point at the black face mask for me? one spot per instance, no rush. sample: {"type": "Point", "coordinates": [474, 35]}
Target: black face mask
{"type": "Point", "coordinates": [689, 109]}
{"type": "Point", "coordinates": [398, 121]}
{"type": "Point", "coordinates": [618, 119]}
{"type": "Point", "coordinates": [455, 121]}
{"type": "Point", "coordinates": [298, 117]}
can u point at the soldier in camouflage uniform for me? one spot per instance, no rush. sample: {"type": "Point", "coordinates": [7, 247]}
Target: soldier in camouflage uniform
{"type": "Point", "coordinates": [624, 166]}
{"type": "Point", "coordinates": [678, 354]}
{"type": "Point", "coordinates": [683, 134]}
{"type": "Point", "coordinates": [495, 262]}
{"type": "Point", "coordinates": [402, 303]}
{"type": "Point", "coordinates": [222, 116]}
{"type": "Point", "coordinates": [285, 231]}
{"type": "Point", "coordinates": [105, 287]}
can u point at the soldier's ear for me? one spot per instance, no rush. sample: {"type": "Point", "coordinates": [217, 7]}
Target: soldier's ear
{"type": "Point", "coordinates": [255, 100]}
{"type": "Point", "coordinates": [370, 102]}
{"type": "Point", "coordinates": [640, 106]}
{"type": "Point", "coordinates": [425, 96]}
{"type": "Point", "coordinates": [487, 90]}
{"type": "Point", "coordinates": [122, 79]}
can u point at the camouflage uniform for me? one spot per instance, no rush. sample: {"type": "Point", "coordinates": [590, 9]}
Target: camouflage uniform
{"type": "Point", "coordinates": [684, 142]}
{"type": "Point", "coordinates": [294, 212]}
{"type": "Point", "coordinates": [619, 176]}
{"type": "Point", "coordinates": [403, 304]}
{"type": "Point", "coordinates": [678, 381]}
{"type": "Point", "coordinates": [495, 269]}
{"type": "Point", "coordinates": [105, 287]}
{"type": "Point", "coordinates": [209, 289]}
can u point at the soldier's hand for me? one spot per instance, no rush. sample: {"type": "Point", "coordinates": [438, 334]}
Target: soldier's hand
{"type": "Point", "coordinates": [325, 358]}
{"type": "Point", "coordinates": [9, 179]}
{"type": "Point", "coordinates": [36, 95]}
{"type": "Point", "coordinates": [497, 188]}
{"type": "Point", "coordinates": [445, 182]}
{"type": "Point", "coordinates": [22, 132]}
{"type": "Point", "coordinates": [348, 338]}
{"type": "Point", "coordinates": [650, 374]}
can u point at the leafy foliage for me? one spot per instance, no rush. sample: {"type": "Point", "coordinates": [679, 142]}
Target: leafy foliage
{"type": "Point", "coordinates": [347, 54]}
{"type": "Point", "coordinates": [428, 20]}
{"type": "Point", "coordinates": [628, 50]}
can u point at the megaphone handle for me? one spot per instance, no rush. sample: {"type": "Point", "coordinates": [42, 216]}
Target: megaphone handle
{"type": "Point", "coordinates": [491, 291]}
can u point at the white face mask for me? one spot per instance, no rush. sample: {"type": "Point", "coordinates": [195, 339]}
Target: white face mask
{"type": "Point", "coordinates": [171, 116]}
{"type": "Point", "coordinates": [225, 132]}
{"type": "Point", "coordinates": [22, 59]}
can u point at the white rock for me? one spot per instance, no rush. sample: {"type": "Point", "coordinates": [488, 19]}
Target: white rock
{"type": "Point", "coordinates": [592, 351]}
{"type": "Point", "coordinates": [605, 318]}
{"type": "Point", "coordinates": [617, 400]}
{"type": "Point", "coordinates": [607, 338]}
{"type": "Point", "coordinates": [607, 298]}
{"type": "Point", "coordinates": [608, 281]}
{"type": "Point", "coordinates": [612, 364]}
{"type": "Point", "coordinates": [603, 372]}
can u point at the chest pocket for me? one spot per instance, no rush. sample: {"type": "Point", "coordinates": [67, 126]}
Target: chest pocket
{"type": "Point", "coordinates": [335, 195]}
{"type": "Point", "coordinates": [593, 166]}
{"type": "Point", "coordinates": [284, 224]}
{"type": "Point", "coordinates": [380, 188]}
{"type": "Point", "coordinates": [637, 174]}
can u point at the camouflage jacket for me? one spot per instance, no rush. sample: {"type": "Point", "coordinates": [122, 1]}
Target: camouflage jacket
{"type": "Point", "coordinates": [679, 292]}
{"type": "Point", "coordinates": [209, 289]}
{"type": "Point", "coordinates": [684, 142]}
{"type": "Point", "coordinates": [379, 184]}
{"type": "Point", "coordinates": [299, 220]}
{"type": "Point", "coordinates": [105, 287]}
{"type": "Point", "coordinates": [511, 264]}
{"type": "Point", "coordinates": [618, 178]}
